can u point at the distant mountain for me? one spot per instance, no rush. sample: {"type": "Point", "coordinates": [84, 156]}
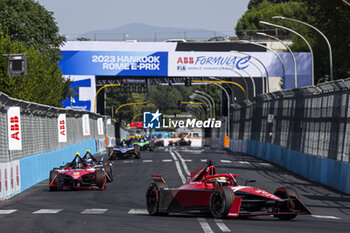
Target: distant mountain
{"type": "Point", "coordinates": [143, 32]}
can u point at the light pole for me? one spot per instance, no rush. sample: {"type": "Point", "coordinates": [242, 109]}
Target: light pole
{"type": "Point", "coordinates": [251, 78]}
{"type": "Point", "coordinates": [290, 51]}
{"type": "Point", "coordinates": [271, 50]}
{"type": "Point", "coordinates": [262, 64]}
{"type": "Point", "coordinates": [205, 94]}
{"type": "Point", "coordinates": [198, 96]}
{"type": "Point", "coordinates": [263, 85]}
{"type": "Point", "coordinates": [307, 43]}
{"type": "Point", "coordinates": [328, 44]}
{"type": "Point", "coordinates": [194, 96]}
{"type": "Point", "coordinates": [228, 108]}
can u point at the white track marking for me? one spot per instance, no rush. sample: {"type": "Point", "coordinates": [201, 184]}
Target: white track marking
{"type": "Point", "coordinates": [243, 162]}
{"type": "Point", "coordinates": [265, 164]}
{"type": "Point", "coordinates": [202, 221]}
{"type": "Point", "coordinates": [7, 211]}
{"type": "Point", "coordinates": [225, 161]}
{"type": "Point", "coordinates": [167, 160]}
{"type": "Point", "coordinates": [127, 161]}
{"type": "Point", "coordinates": [183, 163]}
{"type": "Point", "coordinates": [178, 167]}
{"type": "Point", "coordinates": [322, 216]}
{"type": "Point", "coordinates": [188, 160]}
{"type": "Point", "coordinates": [47, 211]}
{"type": "Point", "coordinates": [204, 160]}
{"type": "Point", "coordinates": [94, 211]}
{"type": "Point", "coordinates": [205, 225]}
{"type": "Point", "coordinates": [147, 161]}
{"type": "Point", "coordinates": [138, 211]}
{"type": "Point", "coordinates": [222, 225]}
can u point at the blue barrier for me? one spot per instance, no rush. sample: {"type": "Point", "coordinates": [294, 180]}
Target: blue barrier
{"type": "Point", "coordinates": [329, 172]}
{"type": "Point", "coordinates": [36, 168]}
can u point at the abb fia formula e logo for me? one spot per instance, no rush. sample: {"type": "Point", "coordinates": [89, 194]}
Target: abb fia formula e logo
{"type": "Point", "coordinates": [14, 128]}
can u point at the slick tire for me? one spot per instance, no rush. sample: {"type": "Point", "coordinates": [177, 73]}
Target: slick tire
{"type": "Point", "coordinates": [221, 201]}
{"type": "Point", "coordinates": [152, 198]}
{"type": "Point", "coordinates": [100, 178]}
{"type": "Point", "coordinates": [109, 172]}
{"type": "Point", "coordinates": [52, 177]}
{"type": "Point", "coordinates": [286, 193]}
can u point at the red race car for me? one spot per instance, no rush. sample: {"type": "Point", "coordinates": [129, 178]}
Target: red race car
{"type": "Point", "coordinates": [220, 195]}
{"type": "Point", "coordinates": [77, 175]}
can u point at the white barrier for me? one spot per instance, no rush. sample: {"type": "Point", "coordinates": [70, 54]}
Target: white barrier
{"type": "Point", "coordinates": [194, 142]}
{"type": "Point", "coordinates": [10, 179]}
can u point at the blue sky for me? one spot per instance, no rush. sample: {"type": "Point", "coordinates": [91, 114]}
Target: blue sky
{"type": "Point", "coordinates": [75, 17]}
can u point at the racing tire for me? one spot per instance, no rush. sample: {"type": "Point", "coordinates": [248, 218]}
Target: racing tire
{"type": "Point", "coordinates": [221, 201]}
{"type": "Point", "coordinates": [138, 155]}
{"type": "Point", "coordinates": [53, 174]}
{"type": "Point", "coordinates": [152, 199]}
{"type": "Point", "coordinates": [100, 178]}
{"type": "Point", "coordinates": [109, 172]}
{"type": "Point", "coordinates": [286, 193]}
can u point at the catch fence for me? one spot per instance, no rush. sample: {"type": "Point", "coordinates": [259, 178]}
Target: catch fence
{"type": "Point", "coordinates": [39, 128]}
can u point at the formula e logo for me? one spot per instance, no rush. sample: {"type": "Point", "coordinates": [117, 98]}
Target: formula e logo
{"type": "Point", "coordinates": [151, 120]}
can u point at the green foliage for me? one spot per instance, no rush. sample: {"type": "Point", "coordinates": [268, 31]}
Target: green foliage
{"type": "Point", "coordinates": [31, 23]}
{"type": "Point", "coordinates": [331, 17]}
{"type": "Point", "coordinates": [164, 98]}
{"type": "Point", "coordinates": [264, 12]}
{"type": "Point", "coordinates": [43, 84]}
{"type": "Point", "coordinates": [253, 3]}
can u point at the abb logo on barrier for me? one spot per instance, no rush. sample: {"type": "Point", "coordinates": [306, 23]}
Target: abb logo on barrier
{"type": "Point", "coordinates": [62, 128]}
{"type": "Point", "coordinates": [185, 60]}
{"type": "Point", "coordinates": [14, 128]}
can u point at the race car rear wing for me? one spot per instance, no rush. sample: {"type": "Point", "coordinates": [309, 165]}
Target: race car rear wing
{"type": "Point", "coordinates": [159, 179]}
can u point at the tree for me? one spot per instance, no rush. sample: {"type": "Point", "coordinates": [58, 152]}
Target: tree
{"type": "Point", "coordinates": [44, 83]}
{"type": "Point", "coordinates": [253, 3]}
{"type": "Point", "coordinates": [31, 23]}
{"type": "Point", "coordinates": [331, 17]}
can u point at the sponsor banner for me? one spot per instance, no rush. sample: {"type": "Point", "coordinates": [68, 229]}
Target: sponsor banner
{"type": "Point", "coordinates": [62, 128]}
{"type": "Point", "coordinates": [14, 128]}
{"type": "Point", "coordinates": [100, 145]}
{"type": "Point", "coordinates": [84, 89]}
{"type": "Point", "coordinates": [86, 125]}
{"type": "Point", "coordinates": [114, 63]}
{"type": "Point", "coordinates": [117, 46]}
{"type": "Point", "coordinates": [100, 126]}
{"type": "Point", "coordinates": [235, 64]}
{"type": "Point", "coordinates": [10, 182]}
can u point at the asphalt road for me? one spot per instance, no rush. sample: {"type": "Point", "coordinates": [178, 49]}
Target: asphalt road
{"type": "Point", "coordinates": [121, 207]}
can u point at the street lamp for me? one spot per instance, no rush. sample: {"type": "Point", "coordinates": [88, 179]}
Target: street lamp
{"type": "Point", "coordinates": [205, 94]}
{"type": "Point", "coordinates": [194, 96]}
{"type": "Point", "coordinates": [262, 64]}
{"type": "Point", "coordinates": [290, 51]}
{"type": "Point", "coordinates": [228, 107]}
{"type": "Point", "coordinates": [198, 96]}
{"type": "Point", "coordinates": [271, 50]}
{"type": "Point", "coordinates": [307, 43]}
{"type": "Point", "coordinates": [328, 44]}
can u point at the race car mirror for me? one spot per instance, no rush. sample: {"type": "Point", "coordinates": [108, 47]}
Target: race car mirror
{"type": "Point", "coordinates": [250, 181]}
